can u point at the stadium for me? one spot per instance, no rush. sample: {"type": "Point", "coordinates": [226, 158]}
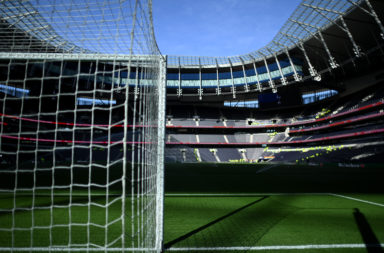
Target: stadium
{"type": "Point", "coordinates": [109, 145]}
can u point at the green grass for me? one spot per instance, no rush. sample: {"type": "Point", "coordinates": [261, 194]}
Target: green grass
{"type": "Point", "coordinates": [271, 220]}
{"type": "Point", "coordinates": [217, 221]}
{"type": "Point", "coordinates": [55, 221]}
{"type": "Point", "coordinates": [226, 205]}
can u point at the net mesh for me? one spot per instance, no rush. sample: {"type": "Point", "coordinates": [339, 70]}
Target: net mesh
{"type": "Point", "coordinates": [82, 96]}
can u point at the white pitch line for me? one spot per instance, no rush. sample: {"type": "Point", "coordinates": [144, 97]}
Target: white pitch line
{"type": "Point", "coordinates": [266, 168]}
{"type": "Point", "coordinates": [281, 247]}
{"type": "Point", "coordinates": [360, 200]}
{"type": "Point", "coordinates": [235, 248]}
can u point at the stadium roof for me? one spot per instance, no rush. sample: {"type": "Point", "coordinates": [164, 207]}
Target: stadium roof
{"type": "Point", "coordinates": [321, 35]}
{"type": "Point", "coordinates": [308, 18]}
{"type": "Point", "coordinates": [76, 27]}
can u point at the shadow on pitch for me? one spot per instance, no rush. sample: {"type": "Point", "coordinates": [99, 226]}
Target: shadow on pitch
{"type": "Point", "coordinates": [371, 242]}
{"type": "Point", "coordinates": [197, 230]}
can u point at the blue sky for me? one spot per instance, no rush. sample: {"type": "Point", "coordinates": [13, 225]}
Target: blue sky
{"type": "Point", "coordinates": [218, 27]}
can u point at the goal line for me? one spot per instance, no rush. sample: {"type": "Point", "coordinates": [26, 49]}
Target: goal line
{"type": "Point", "coordinates": [188, 249]}
{"type": "Point", "coordinates": [281, 247]}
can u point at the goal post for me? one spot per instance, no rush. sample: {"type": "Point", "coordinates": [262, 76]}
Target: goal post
{"type": "Point", "coordinates": [82, 109]}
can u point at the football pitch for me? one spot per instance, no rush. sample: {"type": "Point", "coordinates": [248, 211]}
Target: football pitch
{"type": "Point", "coordinates": [220, 208]}
{"type": "Point", "coordinates": [275, 223]}
{"type": "Point", "coordinates": [274, 208]}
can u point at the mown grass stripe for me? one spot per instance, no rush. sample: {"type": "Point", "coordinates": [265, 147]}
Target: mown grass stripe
{"type": "Point", "coordinates": [257, 194]}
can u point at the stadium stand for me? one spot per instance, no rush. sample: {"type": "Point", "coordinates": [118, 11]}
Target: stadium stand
{"type": "Point", "coordinates": [358, 116]}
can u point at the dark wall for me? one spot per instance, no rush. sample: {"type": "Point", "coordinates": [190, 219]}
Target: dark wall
{"type": "Point", "coordinates": [286, 96]}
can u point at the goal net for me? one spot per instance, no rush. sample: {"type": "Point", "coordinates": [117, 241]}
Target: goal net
{"type": "Point", "coordinates": [82, 103]}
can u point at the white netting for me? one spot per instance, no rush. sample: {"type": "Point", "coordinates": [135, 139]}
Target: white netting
{"type": "Point", "coordinates": [82, 96]}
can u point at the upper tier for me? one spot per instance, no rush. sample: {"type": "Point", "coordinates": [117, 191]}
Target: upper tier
{"type": "Point", "coordinates": [321, 39]}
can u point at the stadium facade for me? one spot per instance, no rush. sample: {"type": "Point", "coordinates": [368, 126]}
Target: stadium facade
{"type": "Point", "coordinates": [288, 101]}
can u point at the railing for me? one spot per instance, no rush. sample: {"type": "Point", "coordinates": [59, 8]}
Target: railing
{"type": "Point", "coordinates": [281, 143]}
{"type": "Point", "coordinates": [274, 126]}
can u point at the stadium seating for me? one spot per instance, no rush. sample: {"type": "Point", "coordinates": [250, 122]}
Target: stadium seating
{"type": "Point", "coordinates": [345, 121]}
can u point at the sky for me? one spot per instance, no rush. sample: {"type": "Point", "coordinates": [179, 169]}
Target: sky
{"type": "Point", "coordinates": [218, 27]}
